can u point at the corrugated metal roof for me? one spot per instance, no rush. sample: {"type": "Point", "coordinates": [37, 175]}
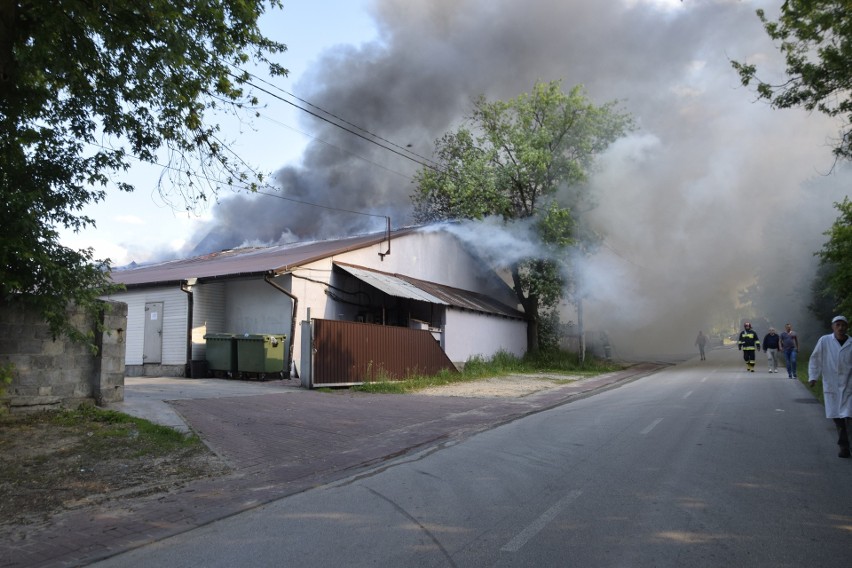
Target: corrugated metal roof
{"type": "Point", "coordinates": [403, 286]}
{"type": "Point", "coordinates": [390, 284]}
{"type": "Point", "coordinates": [282, 258]}
{"type": "Point", "coordinates": [245, 261]}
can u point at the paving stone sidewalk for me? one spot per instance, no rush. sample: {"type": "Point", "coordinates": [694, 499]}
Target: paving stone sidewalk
{"type": "Point", "coordinates": [280, 444]}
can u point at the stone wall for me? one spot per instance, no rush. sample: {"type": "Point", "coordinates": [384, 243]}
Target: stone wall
{"type": "Point", "coordinates": [62, 373]}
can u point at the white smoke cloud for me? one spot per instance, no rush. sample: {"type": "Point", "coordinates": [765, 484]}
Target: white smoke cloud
{"type": "Point", "coordinates": [499, 243]}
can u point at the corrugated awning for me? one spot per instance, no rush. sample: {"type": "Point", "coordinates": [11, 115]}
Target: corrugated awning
{"type": "Point", "coordinates": [402, 286]}
{"type": "Point", "coordinates": [390, 284]}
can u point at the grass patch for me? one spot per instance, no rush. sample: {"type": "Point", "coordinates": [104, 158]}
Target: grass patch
{"type": "Point", "coordinates": [802, 372]}
{"type": "Point", "coordinates": [108, 427]}
{"type": "Point", "coordinates": [502, 364]}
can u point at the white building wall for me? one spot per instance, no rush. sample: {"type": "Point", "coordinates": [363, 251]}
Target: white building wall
{"type": "Point", "coordinates": [253, 306]}
{"type": "Point", "coordinates": [174, 323]}
{"type": "Point", "coordinates": [306, 285]}
{"type": "Point", "coordinates": [436, 257]}
{"type": "Point", "coordinates": [469, 333]}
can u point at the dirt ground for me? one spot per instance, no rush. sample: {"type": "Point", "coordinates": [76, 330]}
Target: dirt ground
{"type": "Point", "coordinates": [47, 468]}
{"type": "Point", "coordinates": [509, 386]}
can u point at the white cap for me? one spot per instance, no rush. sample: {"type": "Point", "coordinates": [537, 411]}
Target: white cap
{"type": "Point", "coordinates": [839, 318]}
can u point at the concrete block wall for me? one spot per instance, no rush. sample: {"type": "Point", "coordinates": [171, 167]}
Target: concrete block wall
{"type": "Point", "coordinates": [61, 373]}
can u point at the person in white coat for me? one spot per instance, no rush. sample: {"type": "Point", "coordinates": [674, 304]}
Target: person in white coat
{"type": "Point", "coordinates": [832, 359]}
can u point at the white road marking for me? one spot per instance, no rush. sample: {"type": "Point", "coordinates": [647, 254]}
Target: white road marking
{"type": "Point", "coordinates": [687, 394]}
{"type": "Point", "coordinates": [651, 427]}
{"type": "Point", "coordinates": [703, 379]}
{"type": "Point", "coordinates": [535, 527]}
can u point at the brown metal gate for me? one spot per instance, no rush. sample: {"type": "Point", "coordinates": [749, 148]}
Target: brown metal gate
{"type": "Point", "coordinates": [351, 353]}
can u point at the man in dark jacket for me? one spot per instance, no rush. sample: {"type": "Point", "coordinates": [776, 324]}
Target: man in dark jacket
{"type": "Point", "coordinates": [748, 343]}
{"type": "Point", "coordinates": [771, 343]}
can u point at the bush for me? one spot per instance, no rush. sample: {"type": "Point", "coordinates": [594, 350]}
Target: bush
{"type": "Point", "coordinates": [6, 374]}
{"type": "Point", "coordinates": [552, 361]}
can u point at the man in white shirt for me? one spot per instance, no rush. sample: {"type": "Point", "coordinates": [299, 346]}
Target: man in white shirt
{"type": "Point", "coordinates": [832, 359]}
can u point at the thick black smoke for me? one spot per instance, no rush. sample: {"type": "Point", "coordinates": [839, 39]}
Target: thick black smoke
{"type": "Point", "coordinates": [702, 199]}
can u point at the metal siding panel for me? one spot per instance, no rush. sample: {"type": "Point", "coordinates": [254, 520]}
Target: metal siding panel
{"type": "Point", "coordinates": [134, 337]}
{"type": "Point", "coordinates": [209, 315]}
{"type": "Point", "coordinates": [175, 306]}
{"type": "Point", "coordinates": [352, 353]}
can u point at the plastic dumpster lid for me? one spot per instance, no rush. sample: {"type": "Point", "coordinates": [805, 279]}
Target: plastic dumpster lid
{"type": "Point", "coordinates": [259, 335]}
{"type": "Point", "coordinates": [252, 336]}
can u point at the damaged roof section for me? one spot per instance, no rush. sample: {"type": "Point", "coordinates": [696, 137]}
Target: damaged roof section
{"type": "Point", "coordinates": [403, 286]}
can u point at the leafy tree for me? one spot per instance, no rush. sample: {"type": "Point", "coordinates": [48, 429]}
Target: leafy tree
{"type": "Point", "coordinates": [823, 301]}
{"type": "Point", "coordinates": [816, 41]}
{"type": "Point", "coordinates": [511, 159]}
{"type": "Point", "coordinates": [85, 87]}
{"type": "Point", "coordinates": [836, 259]}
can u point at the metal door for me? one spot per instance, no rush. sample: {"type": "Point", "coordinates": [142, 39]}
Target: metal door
{"type": "Point", "coordinates": [152, 348]}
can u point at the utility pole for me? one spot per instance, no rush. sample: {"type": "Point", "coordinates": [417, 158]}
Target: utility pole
{"type": "Point", "coordinates": [578, 291]}
{"type": "Point", "coordinates": [581, 332]}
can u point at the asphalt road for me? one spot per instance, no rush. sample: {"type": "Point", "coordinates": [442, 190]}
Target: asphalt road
{"type": "Point", "coordinates": [701, 464]}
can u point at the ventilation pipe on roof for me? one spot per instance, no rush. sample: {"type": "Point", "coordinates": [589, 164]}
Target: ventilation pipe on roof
{"type": "Point", "coordinates": [186, 286]}
{"type": "Point", "coordinates": [382, 255]}
{"type": "Point", "coordinates": [268, 279]}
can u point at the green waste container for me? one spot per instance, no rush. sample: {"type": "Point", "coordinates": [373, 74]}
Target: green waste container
{"type": "Point", "coordinates": [221, 354]}
{"type": "Point", "coordinates": [260, 355]}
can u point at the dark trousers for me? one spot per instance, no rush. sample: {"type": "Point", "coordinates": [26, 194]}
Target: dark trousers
{"type": "Point", "coordinates": [748, 355]}
{"type": "Point", "coordinates": [842, 425]}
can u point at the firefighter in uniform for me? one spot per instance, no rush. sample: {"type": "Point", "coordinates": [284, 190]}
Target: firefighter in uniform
{"type": "Point", "coordinates": [749, 344]}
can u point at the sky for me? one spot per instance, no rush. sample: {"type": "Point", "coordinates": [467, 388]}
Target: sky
{"type": "Point", "coordinates": [144, 226]}
{"type": "Point", "coordinates": [712, 192]}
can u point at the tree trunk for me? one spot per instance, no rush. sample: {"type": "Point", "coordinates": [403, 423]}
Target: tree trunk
{"type": "Point", "coordinates": [581, 333]}
{"type": "Point", "coordinates": [530, 305]}
{"type": "Point", "coordinates": [532, 335]}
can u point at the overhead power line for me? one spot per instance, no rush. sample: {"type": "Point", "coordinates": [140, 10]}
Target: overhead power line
{"type": "Point", "coordinates": [338, 122]}
{"type": "Point", "coordinates": [244, 186]}
{"type": "Point", "coordinates": [421, 160]}
{"type": "Point", "coordinates": [353, 132]}
{"type": "Point", "coordinates": [329, 144]}
{"type": "Point", "coordinates": [336, 117]}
